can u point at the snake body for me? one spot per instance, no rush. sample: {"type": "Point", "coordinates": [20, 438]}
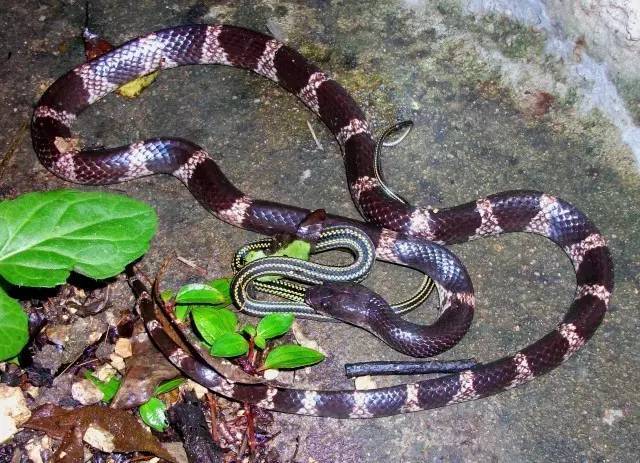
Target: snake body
{"type": "Point", "coordinates": [309, 273]}
{"type": "Point", "coordinates": [401, 233]}
{"type": "Point", "coordinates": [296, 274]}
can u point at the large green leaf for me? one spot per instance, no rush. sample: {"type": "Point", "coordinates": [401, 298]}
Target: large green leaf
{"type": "Point", "coordinates": [213, 323]}
{"type": "Point", "coordinates": [200, 293]}
{"type": "Point", "coordinates": [44, 236]}
{"type": "Point", "coordinates": [229, 345]}
{"type": "Point", "coordinates": [224, 286]}
{"type": "Point", "coordinates": [292, 356]}
{"type": "Point", "coordinates": [274, 325]}
{"type": "Point", "coordinates": [14, 327]}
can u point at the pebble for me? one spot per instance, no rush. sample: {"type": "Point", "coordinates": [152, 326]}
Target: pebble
{"type": "Point", "coordinates": [85, 392]}
{"type": "Point", "coordinates": [13, 411]}
{"type": "Point", "coordinates": [123, 348]}
{"type": "Point", "coordinates": [99, 438]}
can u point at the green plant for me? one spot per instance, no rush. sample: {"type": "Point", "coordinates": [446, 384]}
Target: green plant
{"type": "Point", "coordinates": [154, 411]}
{"type": "Point", "coordinates": [109, 387]}
{"type": "Point", "coordinates": [45, 236]}
{"type": "Point", "coordinates": [218, 326]}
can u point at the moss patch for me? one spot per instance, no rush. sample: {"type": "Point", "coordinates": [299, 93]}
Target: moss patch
{"type": "Point", "coordinates": [630, 92]}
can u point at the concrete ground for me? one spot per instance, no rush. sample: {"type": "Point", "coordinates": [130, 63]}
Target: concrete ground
{"type": "Point", "coordinates": [475, 133]}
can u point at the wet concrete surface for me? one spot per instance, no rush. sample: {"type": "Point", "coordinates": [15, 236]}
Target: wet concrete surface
{"type": "Point", "coordinates": [474, 135]}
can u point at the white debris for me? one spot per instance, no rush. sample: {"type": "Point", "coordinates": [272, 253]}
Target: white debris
{"type": "Point", "coordinates": [611, 415]}
{"type": "Point", "coordinates": [117, 362]}
{"type": "Point", "coordinates": [99, 438]}
{"type": "Point", "coordinates": [13, 411]}
{"type": "Point", "coordinates": [365, 382]}
{"type": "Point", "coordinates": [271, 374]}
{"type": "Point", "coordinates": [198, 390]}
{"type": "Point", "coordinates": [35, 448]}
{"type": "Point", "coordinates": [123, 348]}
{"type": "Point", "coordinates": [105, 372]}
{"type": "Point", "coordinates": [85, 392]}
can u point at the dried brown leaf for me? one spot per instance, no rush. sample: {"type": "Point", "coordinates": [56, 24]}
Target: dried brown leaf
{"type": "Point", "coordinates": [145, 370]}
{"type": "Point", "coordinates": [70, 426]}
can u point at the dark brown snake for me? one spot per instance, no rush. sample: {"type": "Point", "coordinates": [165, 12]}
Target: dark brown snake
{"type": "Point", "coordinates": [402, 234]}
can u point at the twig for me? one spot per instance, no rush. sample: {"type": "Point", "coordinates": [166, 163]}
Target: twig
{"type": "Point", "coordinates": [295, 451]}
{"type": "Point", "coordinates": [213, 410]}
{"type": "Point", "coordinates": [155, 288]}
{"type": "Point", "coordinates": [408, 368]}
{"type": "Point", "coordinates": [251, 429]}
{"type": "Point", "coordinates": [139, 271]}
{"type": "Point", "coordinates": [193, 265]}
{"type": "Point", "coordinates": [84, 352]}
{"type": "Point", "coordinates": [141, 458]}
{"type": "Point", "coordinates": [251, 352]}
{"type": "Point", "coordinates": [313, 134]}
{"type": "Point", "coordinates": [243, 446]}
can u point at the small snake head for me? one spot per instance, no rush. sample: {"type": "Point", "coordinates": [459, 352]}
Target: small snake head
{"type": "Point", "coordinates": [344, 301]}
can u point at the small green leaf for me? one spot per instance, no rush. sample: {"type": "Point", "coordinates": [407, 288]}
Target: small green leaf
{"type": "Point", "coordinates": [14, 327]}
{"type": "Point", "coordinates": [153, 413]}
{"type": "Point", "coordinates": [260, 342]}
{"type": "Point", "coordinates": [46, 235]}
{"type": "Point", "coordinates": [229, 345]}
{"type": "Point", "coordinates": [291, 356]}
{"type": "Point", "coordinates": [168, 386]}
{"type": "Point", "coordinates": [166, 295]}
{"type": "Point", "coordinates": [249, 329]}
{"type": "Point", "coordinates": [274, 325]}
{"type": "Point", "coordinates": [213, 323]}
{"type": "Point", "coordinates": [183, 311]}
{"type": "Point", "coordinates": [254, 255]}
{"type": "Point", "coordinates": [297, 249]}
{"type": "Point", "coordinates": [200, 293]}
{"type": "Point", "coordinates": [223, 286]}
{"type": "Point", "coordinates": [108, 388]}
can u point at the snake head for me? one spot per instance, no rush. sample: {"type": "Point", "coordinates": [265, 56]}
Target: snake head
{"type": "Point", "coordinates": [312, 225]}
{"type": "Point", "coordinates": [345, 301]}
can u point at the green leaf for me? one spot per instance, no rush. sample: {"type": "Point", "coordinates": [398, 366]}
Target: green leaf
{"type": "Point", "coordinates": [274, 325]}
{"type": "Point", "coordinates": [168, 386]}
{"type": "Point", "coordinates": [291, 356]}
{"type": "Point", "coordinates": [183, 311]}
{"type": "Point", "coordinates": [14, 327]}
{"type": "Point", "coordinates": [213, 323]}
{"type": "Point", "coordinates": [44, 236]}
{"type": "Point", "coordinates": [249, 329]}
{"type": "Point", "coordinates": [200, 293]}
{"type": "Point", "coordinates": [108, 388]}
{"type": "Point", "coordinates": [154, 413]}
{"type": "Point", "coordinates": [229, 345]}
{"type": "Point", "coordinates": [297, 249]}
{"type": "Point", "coordinates": [260, 342]}
{"type": "Point", "coordinates": [254, 255]}
{"type": "Point", "coordinates": [166, 295]}
{"type": "Point", "coordinates": [222, 285]}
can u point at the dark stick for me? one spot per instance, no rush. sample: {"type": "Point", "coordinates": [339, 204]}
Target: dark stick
{"type": "Point", "coordinates": [187, 417]}
{"type": "Point", "coordinates": [408, 368]}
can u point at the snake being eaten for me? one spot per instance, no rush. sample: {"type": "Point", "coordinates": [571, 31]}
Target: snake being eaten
{"type": "Point", "coordinates": [402, 234]}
